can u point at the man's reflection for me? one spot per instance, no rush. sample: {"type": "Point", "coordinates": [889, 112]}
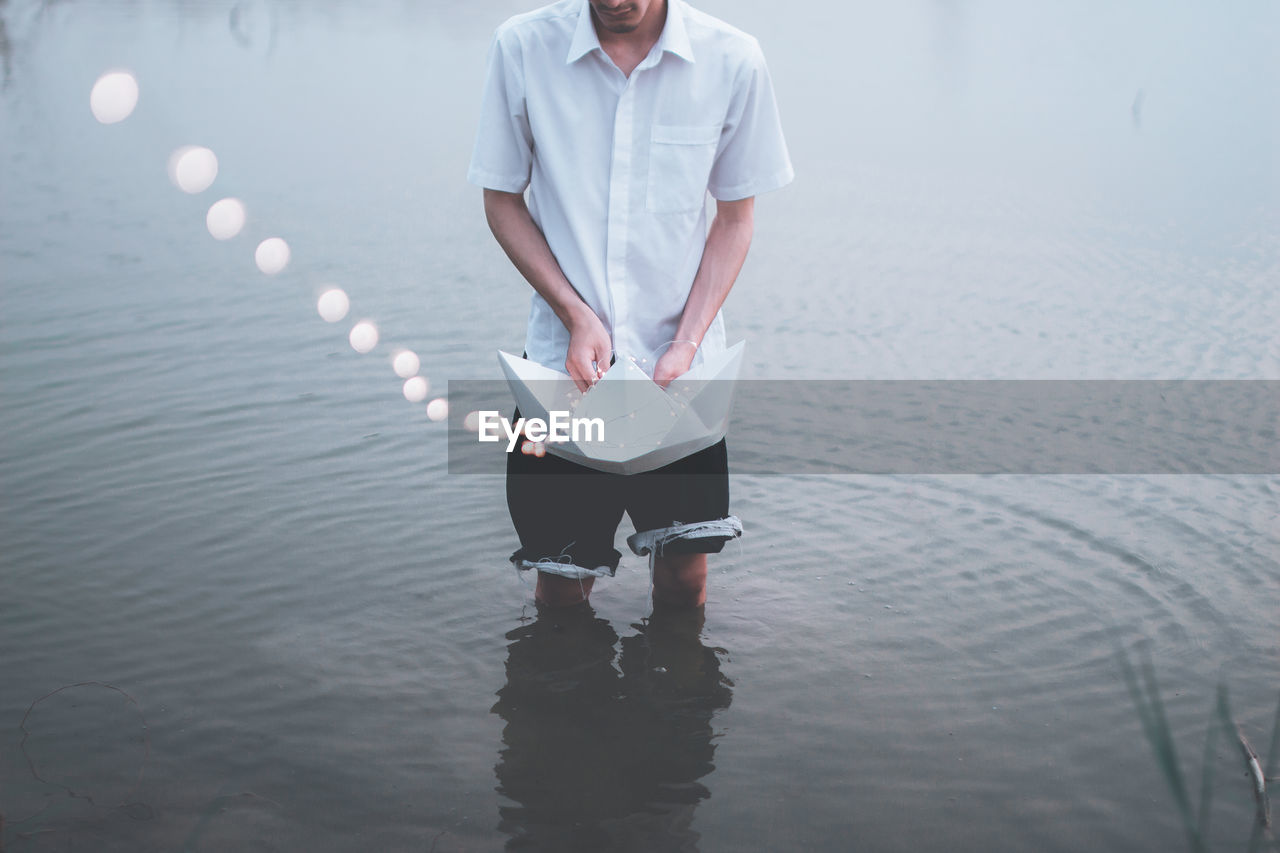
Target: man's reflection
{"type": "Point", "coordinates": [603, 751]}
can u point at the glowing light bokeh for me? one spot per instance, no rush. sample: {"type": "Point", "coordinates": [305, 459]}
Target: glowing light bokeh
{"type": "Point", "coordinates": [333, 305]}
{"type": "Point", "coordinates": [363, 337]}
{"type": "Point", "coordinates": [415, 389]}
{"type": "Point", "coordinates": [113, 97]}
{"type": "Point", "coordinates": [225, 218]}
{"type": "Point", "coordinates": [471, 423]}
{"type": "Point", "coordinates": [405, 363]}
{"type": "Point", "coordinates": [438, 409]}
{"type": "Point", "coordinates": [193, 168]}
{"type": "Point", "coordinates": [272, 255]}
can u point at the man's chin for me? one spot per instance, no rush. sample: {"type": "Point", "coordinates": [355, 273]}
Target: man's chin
{"type": "Point", "coordinates": [615, 25]}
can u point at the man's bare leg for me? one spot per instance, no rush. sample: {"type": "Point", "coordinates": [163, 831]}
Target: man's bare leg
{"type": "Point", "coordinates": [680, 580]}
{"type": "Point", "coordinates": [559, 591]}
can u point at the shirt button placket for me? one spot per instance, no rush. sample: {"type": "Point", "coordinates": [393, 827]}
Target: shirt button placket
{"type": "Point", "coordinates": [620, 209]}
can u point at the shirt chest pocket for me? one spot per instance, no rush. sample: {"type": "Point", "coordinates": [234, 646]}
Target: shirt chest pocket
{"type": "Point", "coordinates": [680, 160]}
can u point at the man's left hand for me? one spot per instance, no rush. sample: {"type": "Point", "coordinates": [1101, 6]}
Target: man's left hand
{"type": "Point", "coordinates": [674, 363]}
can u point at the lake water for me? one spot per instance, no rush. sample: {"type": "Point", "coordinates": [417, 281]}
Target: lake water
{"type": "Point", "coordinates": [243, 605]}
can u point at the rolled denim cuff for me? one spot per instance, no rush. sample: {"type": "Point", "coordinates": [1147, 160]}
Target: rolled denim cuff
{"type": "Point", "coordinates": [565, 570]}
{"type": "Point", "coordinates": [563, 564]}
{"type": "Point", "coordinates": [652, 542]}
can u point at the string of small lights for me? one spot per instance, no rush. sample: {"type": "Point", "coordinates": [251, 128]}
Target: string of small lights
{"type": "Point", "coordinates": [193, 169]}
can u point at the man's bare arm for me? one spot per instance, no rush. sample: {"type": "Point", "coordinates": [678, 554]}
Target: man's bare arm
{"type": "Point", "coordinates": [727, 242]}
{"type": "Point", "coordinates": [526, 246]}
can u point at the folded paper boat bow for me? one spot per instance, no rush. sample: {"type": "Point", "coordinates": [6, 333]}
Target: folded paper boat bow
{"type": "Point", "coordinates": [645, 425]}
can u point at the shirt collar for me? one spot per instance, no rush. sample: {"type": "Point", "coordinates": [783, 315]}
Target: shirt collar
{"type": "Point", "coordinates": [674, 38]}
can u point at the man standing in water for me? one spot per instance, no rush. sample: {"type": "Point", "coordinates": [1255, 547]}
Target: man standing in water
{"type": "Point", "coordinates": [618, 117]}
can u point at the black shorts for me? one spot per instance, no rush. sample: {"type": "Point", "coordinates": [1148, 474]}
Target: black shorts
{"type": "Point", "coordinates": [566, 514]}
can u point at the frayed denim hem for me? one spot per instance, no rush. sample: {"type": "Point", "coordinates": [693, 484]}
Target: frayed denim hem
{"type": "Point", "coordinates": [563, 568]}
{"type": "Point", "coordinates": [652, 542]}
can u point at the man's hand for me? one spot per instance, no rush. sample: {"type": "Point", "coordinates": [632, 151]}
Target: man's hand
{"type": "Point", "coordinates": [590, 349]}
{"type": "Point", "coordinates": [674, 363]}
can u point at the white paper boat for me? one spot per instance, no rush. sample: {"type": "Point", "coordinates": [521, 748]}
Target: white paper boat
{"type": "Point", "coordinates": [645, 425]}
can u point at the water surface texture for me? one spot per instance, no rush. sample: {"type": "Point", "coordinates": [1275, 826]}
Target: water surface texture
{"type": "Point", "coordinates": [243, 605]}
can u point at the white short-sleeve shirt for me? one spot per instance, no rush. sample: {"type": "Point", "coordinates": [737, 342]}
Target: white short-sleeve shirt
{"type": "Point", "coordinates": [618, 168]}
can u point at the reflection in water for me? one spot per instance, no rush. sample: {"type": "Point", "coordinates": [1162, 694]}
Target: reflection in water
{"type": "Point", "coordinates": [1136, 108]}
{"type": "Point", "coordinates": [605, 751]}
{"type": "Point", "coordinates": [950, 42]}
{"type": "Point", "coordinates": [6, 51]}
{"type": "Point", "coordinates": [253, 26]}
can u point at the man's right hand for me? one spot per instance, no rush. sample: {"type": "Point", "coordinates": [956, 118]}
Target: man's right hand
{"type": "Point", "coordinates": [590, 349]}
